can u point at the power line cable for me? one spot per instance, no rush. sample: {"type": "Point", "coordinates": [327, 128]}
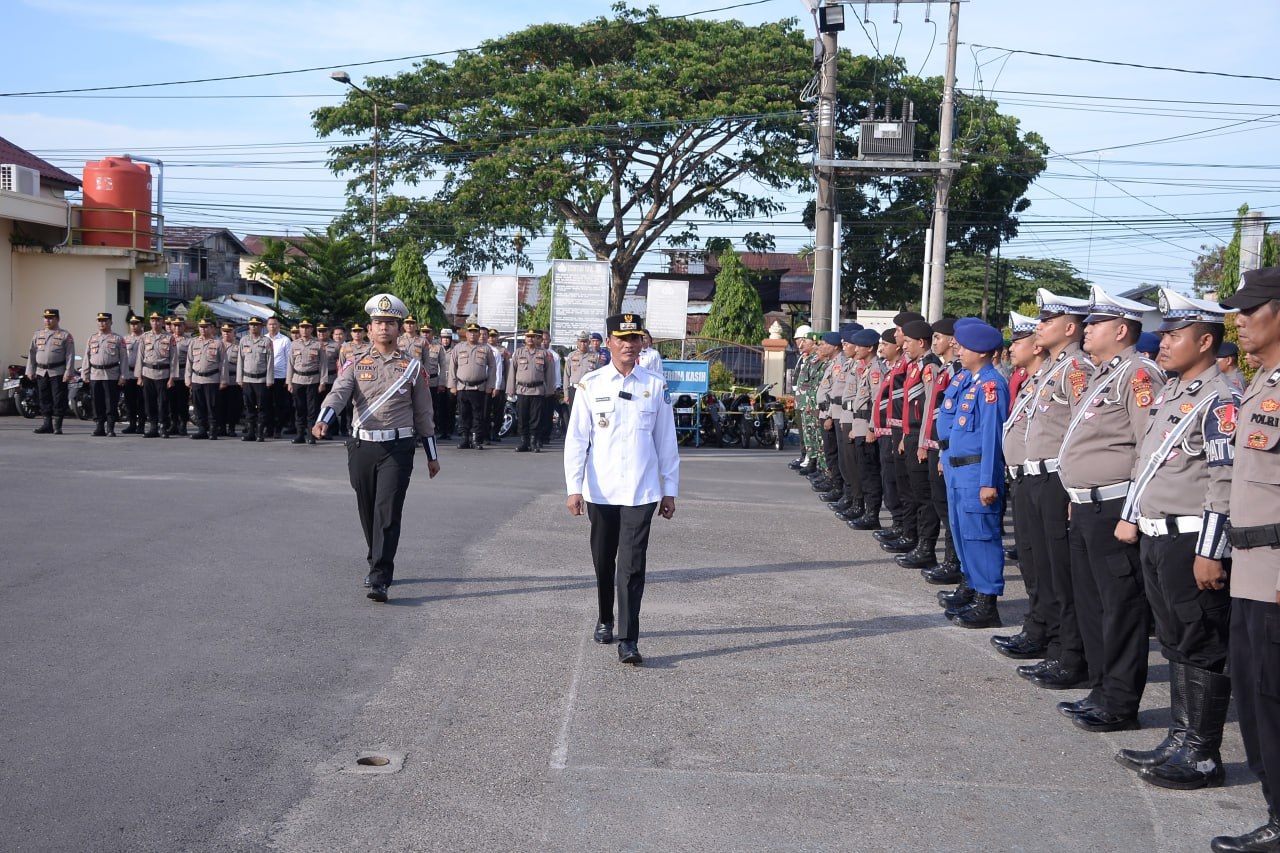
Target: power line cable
{"type": "Point", "coordinates": [1131, 64]}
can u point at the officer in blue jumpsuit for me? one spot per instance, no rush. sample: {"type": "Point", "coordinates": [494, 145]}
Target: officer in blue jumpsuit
{"type": "Point", "coordinates": [974, 470]}
{"type": "Point", "coordinates": [962, 596]}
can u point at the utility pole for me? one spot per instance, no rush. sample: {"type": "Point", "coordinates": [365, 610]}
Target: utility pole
{"type": "Point", "coordinates": [946, 133]}
{"type": "Point", "coordinates": [820, 308]}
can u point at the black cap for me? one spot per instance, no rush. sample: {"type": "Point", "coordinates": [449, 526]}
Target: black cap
{"type": "Point", "coordinates": [947, 326]}
{"type": "Point", "coordinates": [888, 336]}
{"type": "Point", "coordinates": [1228, 350]}
{"type": "Point", "coordinates": [918, 330]}
{"type": "Point", "coordinates": [904, 317]}
{"type": "Point", "coordinates": [104, 315]}
{"type": "Point", "coordinates": [624, 325]}
{"type": "Point", "coordinates": [1260, 286]}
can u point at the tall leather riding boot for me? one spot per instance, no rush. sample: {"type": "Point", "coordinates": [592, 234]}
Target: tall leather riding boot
{"type": "Point", "coordinates": [1197, 763]}
{"type": "Point", "coordinates": [57, 425]}
{"type": "Point", "coordinates": [45, 428]}
{"type": "Point", "coordinates": [1141, 759]}
{"type": "Point", "coordinates": [983, 613]}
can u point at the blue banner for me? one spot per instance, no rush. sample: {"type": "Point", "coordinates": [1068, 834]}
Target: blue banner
{"type": "Point", "coordinates": [687, 377]}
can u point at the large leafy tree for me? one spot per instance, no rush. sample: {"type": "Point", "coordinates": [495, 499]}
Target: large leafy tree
{"type": "Point", "coordinates": [332, 277]}
{"type": "Point", "coordinates": [412, 283]}
{"type": "Point", "coordinates": [736, 312]}
{"type": "Point", "coordinates": [624, 127]}
{"type": "Point", "coordinates": [1007, 283]}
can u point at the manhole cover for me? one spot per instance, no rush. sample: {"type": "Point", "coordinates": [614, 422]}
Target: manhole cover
{"type": "Point", "coordinates": [374, 761]}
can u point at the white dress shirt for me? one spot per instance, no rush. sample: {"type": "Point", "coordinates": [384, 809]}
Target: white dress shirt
{"type": "Point", "coordinates": [621, 447]}
{"type": "Point", "coordinates": [280, 353]}
{"type": "Point", "coordinates": [650, 360]}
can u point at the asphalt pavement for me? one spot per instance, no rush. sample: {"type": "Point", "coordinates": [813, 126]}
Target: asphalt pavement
{"type": "Point", "coordinates": [188, 663]}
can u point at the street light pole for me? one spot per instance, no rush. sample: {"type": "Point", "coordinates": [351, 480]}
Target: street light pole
{"type": "Point", "coordinates": [345, 79]}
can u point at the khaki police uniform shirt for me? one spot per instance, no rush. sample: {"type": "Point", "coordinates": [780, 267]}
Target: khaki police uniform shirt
{"type": "Point", "coordinates": [1100, 447]}
{"type": "Point", "coordinates": [530, 372]}
{"type": "Point", "coordinates": [183, 345]}
{"type": "Point", "coordinates": [824, 390]}
{"type": "Point", "coordinates": [331, 352]}
{"type": "Point", "coordinates": [106, 357]}
{"type": "Point", "coordinates": [1015, 426]}
{"type": "Point", "coordinates": [254, 360]}
{"type": "Point", "coordinates": [157, 357]}
{"type": "Point", "coordinates": [1255, 486]}
{"type": "Point", "coordinates": [307, 364]}
{"type": "Point", "coordinates": [472, 368]}
{"type": "Point", "coordinates": [53, 353]}
{"type": "Point", "coordinates": [206, 362]}
{"type": "Point", "coordinates": [433, 361]}
{"type": "Point", "coordinates": [579, 364]}
{"type": "Point", "coordinates": [859, 402]}
{"type": "Point", "coordinates": [839, 381]}
{"type": "Point", "coordinates": [1059, 383]}
{"type": "Point", "coordinates": [372, 375]}
{"type": "Point", "coordinates": [350, 352]}
{"type": "Point", "coordinates": [132, 344]}
{"type": "Point", "coordinates": [1194, 476]}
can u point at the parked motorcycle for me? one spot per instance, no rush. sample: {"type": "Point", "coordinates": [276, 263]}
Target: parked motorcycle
{"type": "Point", "coordinates": [22, 391]}
{"type": "Point", "coordinates": [763, 417]}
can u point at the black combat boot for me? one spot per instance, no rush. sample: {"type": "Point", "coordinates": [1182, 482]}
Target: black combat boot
{"type": "Point", "coordinates": [902, 545]}
{"type": "Point", "coordinates": [841, 505]}
{"type": "Point", "coordinates": [99, 430]}
{"type": "Point", "coordinates": [57, 425]}
{"type": "Point", "coordinates": [921, 557]}
{"type": "Point", "coordinates": [478, 441]}
{"type": "Point", "coordinates": [1197, 762]}
{"type": "Point", "coordinates": [111, 427]}
{"type": "Point", "coordinates": [983, 613]}
{"type": "Point", "coordinates": [465, 444]}
{"type": "Point", "coordinates": [1141, 759]}
{"type": "Point", "coordinates": [961, 596]}
{"type": "Point", "coordinates": [869, 520]}
{"type": "Point", "coordinates": [249, 433]}
{"type": "Point", "coordinates": [153, 431]}
{"type": "Point", "coordinates": [830, 497]}
{"type": "Point", "coordinates": [942, 575]}
{"type": "Point", "coordinates": [1264, 839]}
{"type": "Point", "coordinates": [45, 428]}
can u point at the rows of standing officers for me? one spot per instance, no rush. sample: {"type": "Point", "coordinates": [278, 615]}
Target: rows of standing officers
{"type": "Point", "coordinates": [271, 382]}
{"type": "Point", "coordinates": [1144, 491]}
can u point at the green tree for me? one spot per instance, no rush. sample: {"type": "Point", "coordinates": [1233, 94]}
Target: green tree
{"type": "Point", "coordinates": [736, 312]}
{"type": "Point", "coordinates": [412, 283]}
{"type": "Point", "coordinates": [539, 316]}
{"type": "Point", "coordinates": [1229, 267]}
{"type": "Point", "coordinates": [198, 311]}
{"type": "Point", "coordinates": [1009, 283]}
{"type": "Point", "coordinates": [621, 126]}
{"type": "Point", "coordinates": [331, 277]}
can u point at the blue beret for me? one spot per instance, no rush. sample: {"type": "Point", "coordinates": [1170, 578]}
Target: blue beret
{"type": "Point", "coordinates": [832, 338]}
{"type": "Point", "coordinates": [1228, 350]}
{"type": "Point", "coordinates": [978, 336]}
{"type": "Point", "coordinates": [964, 321]}
{"type": "Point", "coordinates": [1148, 343]}
{"type": "Point", "coordinates": [846, 335]}
{"type": "Point", "coordinates": [851, 327]}
{"type": "Point", "coordinates": [866, 338]}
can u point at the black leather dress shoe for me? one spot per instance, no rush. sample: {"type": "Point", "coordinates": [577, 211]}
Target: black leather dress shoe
{"type": "Point", "coordinates": [1261, 840]}
{"type": "Point", "coordinates": [1080, 706]}
{"type": "Point", "coordinates": [604, 632]}
{"type": "Point", "coordinates": [1098, 720]}
{"type": "Point", "coordinates": [377, 592]}
{"type": "Point", "coordinates": [1030, 670]}
{"type": "Point", "coordinates": [898, 546]}
{"type": "Point", "coordinates": [368, 581]}
{"type": "Point", "coordinates": [943, 574]}
{"type": "Point", "coordinates": [1019, 647]}
{"type": "Point", "coordinates": [1058, 677]}
{"type": "Point", "coordinates": [628, 653]}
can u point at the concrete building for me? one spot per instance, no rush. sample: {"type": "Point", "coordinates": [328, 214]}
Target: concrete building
{"type": "Point", "coordinates": [44, 262]}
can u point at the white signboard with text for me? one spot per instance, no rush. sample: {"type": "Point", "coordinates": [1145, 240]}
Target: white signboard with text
{"type": "Point", "coordinates": [666, 314]}
{"type": "Point", "coordinates": [579, 299]}
{"type": "Point", "coordinates": [498, 302]}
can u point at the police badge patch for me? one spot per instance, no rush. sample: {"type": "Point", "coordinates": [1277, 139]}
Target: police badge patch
{"type": "Point", "coordinates": [1141, 384]}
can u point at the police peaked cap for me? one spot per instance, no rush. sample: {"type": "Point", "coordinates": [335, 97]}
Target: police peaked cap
{"type": "Point", "coordinates": [1179, 311]}
{"type": "Point", "coordinates": [1104, 306]}
{"type": "Point", "coordinates": [1051, 305]}
{"type": "Point", "coordinates": [1021, 326]}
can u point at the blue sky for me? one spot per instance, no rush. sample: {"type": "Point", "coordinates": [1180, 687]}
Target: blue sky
{"type": "Point", "coordinates": [1149, 165]}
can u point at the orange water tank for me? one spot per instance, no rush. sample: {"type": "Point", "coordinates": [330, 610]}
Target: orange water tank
{"type": "Point", "coordinates": [117, 204]}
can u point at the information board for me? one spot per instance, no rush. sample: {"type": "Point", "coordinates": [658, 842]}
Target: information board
{"type": "Point", "coordinates": [667, 312]}
{"type": "Point", "coordinates": [498, 302]}
{"type": "Point", "coordinates": [579, 299]}
{"type": "Point", "coordinates": [687, 377]}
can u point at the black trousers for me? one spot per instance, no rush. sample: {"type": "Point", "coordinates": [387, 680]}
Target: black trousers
{"type": "Point", "coordinates": [1255, 683]}
{"type": "Point", "coordinates": [155, 399]}
{"type": "Point", "coordinates": [938, 493]}
{"type": "Point", "coordinates": [379, 473]}
{"type": "Point", "coordinates": [868, 453]}
{"type": "Point", "coordinates": [306, 406]}
{"type": "Point", "coordinates": [831, 453]}
{"type": "Point", "coordinates": [494, 406]}
{"type": "Point", "coordinates": [205, 396]}
{"type": "Point", "coordinates": [230, 407]}
{"type": "Point", "coordinates": [529, 414]}
{"type": "Point", "coordinates": [1047, 502]}
{"type": "Point", "coordinates": [619, 551]}
{"type": "Point", "coordinates": [1042, 620]}
{"type": "Point", "coordinates": [106, 399]}
{"type": "Point", "coordinates": [133, 401]}
{"type": "Point", "coordinates": [257, 401]}
{"type": "Point", "coordinates": [1192, 624]}
{"type": "Point", "coordinates": [471, 414]}
{"type": "Point", "coordinates": [544, 418]}
{"type": "Point", "coordinates": [179, 406]}
{"type": "Point", "coordinates": [446, 415]}
{"type": "Point", "coordinates": [927, 523]}
{"type": "Point", "coordinates": [848, 455]}
{"type": "Point", "coordinates": [887, 449]}
{"type": "Point", "coordinates": [906, 516]}
{"type": "Point", "coordinates": [51, 391]}
{"type": "Point", "coordinates": [279, 406]}
{"type": "Point", "coordinates": [1111, 606]}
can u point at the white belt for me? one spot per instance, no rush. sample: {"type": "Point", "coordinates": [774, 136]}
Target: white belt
{"type": "Point", "coordinates": [1013, 470]}
{"type": "Point", "coordinates": [384, 434]}
{"type": "Point", "coordinates": [1170, 526]}
{"type": "Point", "coordinates": [1040, 466]}
{"type": "Point", "coordinates": [1100, 494]}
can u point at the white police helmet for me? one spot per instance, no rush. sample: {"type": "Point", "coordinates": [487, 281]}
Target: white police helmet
{"type": "Point", "coordinates": [384, 306]}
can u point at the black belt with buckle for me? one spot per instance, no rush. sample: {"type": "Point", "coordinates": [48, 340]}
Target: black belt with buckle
{"type": "Point", "coordinates": [149, 366]}
{"type": "Point", "coordinates": [55, 366]}
{"type": "Point", "coordinates": [206, 373]}
{"type": "Point", "coordinates": [961, 461]}
{"type": "Point", "coordinates": [305, 372]}
{"type": "Point", "coordinates": [256, 375]}
{"type": "Point", "coordinates": [1261, 536]}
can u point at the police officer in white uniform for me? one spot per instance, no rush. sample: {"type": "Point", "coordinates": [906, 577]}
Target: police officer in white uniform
{"type": "Point", "coordinates": [621, 464]}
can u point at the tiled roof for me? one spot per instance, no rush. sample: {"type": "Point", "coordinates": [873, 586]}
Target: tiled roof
{"type": "Point", "coordinates": [256, 243]}
{"type": "Point", "coordinates": [10, 153]}
{"type": "Point", "coordinates": [186, 236]}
